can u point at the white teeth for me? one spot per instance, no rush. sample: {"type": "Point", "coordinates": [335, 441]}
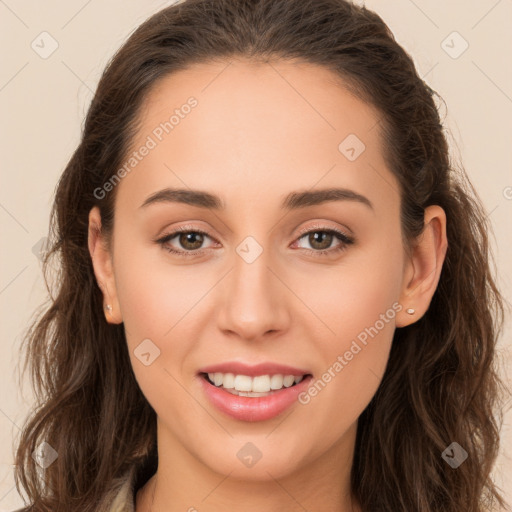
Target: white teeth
{"type": "Point", "coordinates": [243, 383]}
{"type": "Point", "coordinates": [276, 381]}
{"type": "Point", "coordinates": [258, 384]}
{"type": "Point", "coordinates": [288, 380]}
{"type": "Point", "coordinates": [228, 381]}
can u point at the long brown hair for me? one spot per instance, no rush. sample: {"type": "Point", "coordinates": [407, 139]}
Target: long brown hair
{"type": "Point", "coordinates": [441, 384]}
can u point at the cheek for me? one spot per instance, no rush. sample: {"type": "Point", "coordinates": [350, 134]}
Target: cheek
{"type": "Point", "coordinates": [159, 334]}
{"type": "Point", "coordinates": [155, 294]}
{"type": "Point", "coordinates": [160, 302]}
{"type": "Point", "coordinates": [352, 295]}
{"type": "Point", "coordinates": [357, 304]}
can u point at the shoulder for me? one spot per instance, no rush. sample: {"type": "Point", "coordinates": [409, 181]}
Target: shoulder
{"type": "Point", "coordinates": [119, 498]}
{"type": "Point", "coordinates": [121, 495]}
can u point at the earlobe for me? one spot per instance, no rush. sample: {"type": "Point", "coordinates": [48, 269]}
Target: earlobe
{"type": "Point", "coordinates": [103, 268]}
{"type": "Point", "coordinates": [423, 270]}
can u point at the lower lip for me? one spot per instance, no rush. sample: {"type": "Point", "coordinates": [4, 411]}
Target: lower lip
{"type": "Point", "coordinates": [253, 408]}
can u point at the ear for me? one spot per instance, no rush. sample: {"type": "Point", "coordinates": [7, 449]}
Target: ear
{"type": "Point", "coordinates": [423, 270]}
{"type": "Point", "coordinates": [103, 267]}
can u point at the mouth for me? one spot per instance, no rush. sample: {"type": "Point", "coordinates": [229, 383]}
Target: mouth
{"type": "Point", "coordinates": [255, 397]}
{"type": "Point", "coordinates": [253, 386]}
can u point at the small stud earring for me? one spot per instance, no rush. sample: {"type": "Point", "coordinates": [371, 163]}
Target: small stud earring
{"type": "Point", "coordinates": [108, 307]}
{"type": "Point", "coordinates": [410, 311]}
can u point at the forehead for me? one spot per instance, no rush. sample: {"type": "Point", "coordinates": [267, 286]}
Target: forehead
{"type": "Point", "coordinates": [254, 128]}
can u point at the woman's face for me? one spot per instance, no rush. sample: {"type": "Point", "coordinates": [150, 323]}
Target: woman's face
{"type": "Point", "coordinates": [270, 281]}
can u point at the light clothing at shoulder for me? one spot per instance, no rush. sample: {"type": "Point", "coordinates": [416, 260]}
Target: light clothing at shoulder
{"type": "Point", "coordinates": [120, 498]}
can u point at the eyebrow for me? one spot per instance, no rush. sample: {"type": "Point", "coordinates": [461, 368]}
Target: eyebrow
{"type": "Point", "coordinates": [293, 201]}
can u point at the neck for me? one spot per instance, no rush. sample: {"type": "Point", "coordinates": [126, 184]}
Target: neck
{"type": "Point", "coordinates": [185, 483]}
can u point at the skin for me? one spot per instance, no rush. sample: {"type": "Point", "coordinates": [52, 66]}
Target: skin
{"type": "Point", "coordinates": [259, 132]}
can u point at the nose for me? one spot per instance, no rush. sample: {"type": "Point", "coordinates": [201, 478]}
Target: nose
{"type": "Point", "coordinates": [254, 300]}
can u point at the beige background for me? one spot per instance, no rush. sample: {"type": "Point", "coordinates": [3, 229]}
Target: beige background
{"type": "Point", "coordinates": [43, 103]}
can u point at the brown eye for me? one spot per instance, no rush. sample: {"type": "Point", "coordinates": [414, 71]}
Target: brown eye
{"type": "Point", "coordinates": [188, 241]}
{"type": "Point", "coordinates": [191, 240]}
{"type": "Point", "coordinates": [320, 240]}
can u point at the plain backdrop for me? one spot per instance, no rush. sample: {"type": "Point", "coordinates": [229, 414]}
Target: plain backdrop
{"type": "Point", "coordinates": [461, 49]}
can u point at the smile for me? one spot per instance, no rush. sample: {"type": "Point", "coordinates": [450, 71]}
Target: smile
{"type": "Point", "coordinates": [238, 397]}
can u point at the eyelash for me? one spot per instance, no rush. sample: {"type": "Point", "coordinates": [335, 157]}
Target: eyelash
{"type": "Point", "coordinates": [342, 237]}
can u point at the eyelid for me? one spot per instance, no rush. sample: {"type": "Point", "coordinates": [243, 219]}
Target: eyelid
{"type": "Point", "coordinates": [318, 225]}
{"type": "Point", "coordinates": [322, 227]}
{"type": "Point", "coordinates": [172, 233]}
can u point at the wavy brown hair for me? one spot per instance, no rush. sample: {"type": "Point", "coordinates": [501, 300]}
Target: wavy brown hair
{"type": "Point", "coordinates": [441, 383]}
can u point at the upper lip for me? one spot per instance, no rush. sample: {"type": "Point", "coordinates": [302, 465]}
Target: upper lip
{"type": "Point", "coordinates": [266, 368]}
